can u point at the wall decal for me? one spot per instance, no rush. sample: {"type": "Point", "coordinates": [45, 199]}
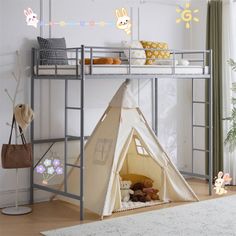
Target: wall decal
{"type": "Point", "coordinates": [221, 181]}
{"type": "Point", "coordinates": [90, 23]}
{"type": "Point", "coordinates": [31, 18]}
{"type": "Point", "coordinates": [186, 15]}
{"type": "Point", "coordinates": [50, 168]}
{"type": "Point", "coordinates": [123, 20]}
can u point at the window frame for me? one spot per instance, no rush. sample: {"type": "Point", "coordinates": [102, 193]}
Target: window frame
{"type": "Point", "coordinates": [141, 146]}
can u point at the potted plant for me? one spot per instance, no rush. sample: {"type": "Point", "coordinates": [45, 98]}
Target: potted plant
{"type": "Point", "coordinates": [231, 135]}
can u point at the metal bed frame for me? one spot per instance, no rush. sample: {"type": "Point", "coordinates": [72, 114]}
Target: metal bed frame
{"type": "Point", "coordinates": [80, 75]}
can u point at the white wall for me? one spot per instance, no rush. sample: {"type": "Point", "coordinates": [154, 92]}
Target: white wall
{"type": "Point", "coordinates": [195, 38]}
{"type": "Point", "coordinates": [157, 22]}
{"type": "Point", "coordinates": [14, 35]}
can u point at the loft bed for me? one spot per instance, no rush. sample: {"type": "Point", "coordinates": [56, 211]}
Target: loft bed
{"type": "Point", "coordinates": [76, 69]}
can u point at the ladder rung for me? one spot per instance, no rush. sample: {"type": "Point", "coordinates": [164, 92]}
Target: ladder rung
{"type": "Point", "coordinates": [73, 108]}
{"type": "Point", "coordinates": [201, 102]}
{"type": "Point", "coordinates": [72, 165]}
{"type": "Point", "coordinates": [200, 150]}
{"type": "Point", "coordinates": [73, 137]}
{"type": "Point", "coordinates": [201, 126]}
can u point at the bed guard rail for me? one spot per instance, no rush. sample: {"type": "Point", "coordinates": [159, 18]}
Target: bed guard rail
{"type": "Point", "coordinates": [59, 61]}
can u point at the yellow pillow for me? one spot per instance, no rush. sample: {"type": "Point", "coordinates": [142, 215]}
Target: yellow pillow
{"type": "Point", "coordinates": [134, 178]}
{"type": "Point", "coordinates": [151, 55]}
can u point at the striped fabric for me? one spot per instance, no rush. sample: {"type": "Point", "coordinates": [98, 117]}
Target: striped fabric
{"type": "Point", "coordinates": [52, 56]}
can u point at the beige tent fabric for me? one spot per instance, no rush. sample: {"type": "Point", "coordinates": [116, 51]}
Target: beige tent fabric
{"type": "Point", "coordinates": [111, 150]}
{"type": "Point", "coordinates": [123, 98]}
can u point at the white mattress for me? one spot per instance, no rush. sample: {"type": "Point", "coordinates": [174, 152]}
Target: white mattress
{"type": "Point", "coordinates": [121, 69]}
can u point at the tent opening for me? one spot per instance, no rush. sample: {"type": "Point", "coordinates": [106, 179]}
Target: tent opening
{"type": "Point", "coordinates": [139, 163]}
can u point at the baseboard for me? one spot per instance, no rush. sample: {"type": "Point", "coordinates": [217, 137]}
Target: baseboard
{"type": "Point", "coordinates": [7, 198]}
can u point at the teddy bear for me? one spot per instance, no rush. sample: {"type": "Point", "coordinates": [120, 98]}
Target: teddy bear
{"type": "Point", "coordinates": [144, 192]}
{"type": "Point", "coordinates": [151, 193]}
{"type": "Point", "coordinates": [137, 186]}
{"type": "Point", "coordinates": [125, 190]}
{"type": "Point", "coordinates": [138, 196]}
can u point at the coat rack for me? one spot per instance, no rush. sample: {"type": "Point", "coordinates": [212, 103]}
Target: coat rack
{"type": "Point", "coordinates": [16, 210]}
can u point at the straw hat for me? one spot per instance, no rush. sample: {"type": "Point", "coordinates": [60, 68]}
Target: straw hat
{"type": "Point", "coordinates": [23, 115]}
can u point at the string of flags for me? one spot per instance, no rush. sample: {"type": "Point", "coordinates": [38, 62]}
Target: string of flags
{"type": "Point", "coordinates": [90, 23]}
{"type": "Point", "coordinates": [122, 21]}
{"type": "Point", "coordinates": [32, 20]}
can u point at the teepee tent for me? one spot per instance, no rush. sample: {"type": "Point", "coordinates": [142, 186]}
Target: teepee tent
{"type": "Point", "coordinates": [123, 143]}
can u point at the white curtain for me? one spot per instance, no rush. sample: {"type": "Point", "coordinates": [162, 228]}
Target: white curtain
{"type": "Point", "coordinates": [229, 51]}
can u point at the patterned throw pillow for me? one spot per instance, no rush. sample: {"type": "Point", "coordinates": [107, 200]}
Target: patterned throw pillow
{"type": "Point", "coordinates": [53, 57]}
{"type": "Point", "coordinates": [135, 53]}
{"type": "Point", "coordinates": [152, 55]}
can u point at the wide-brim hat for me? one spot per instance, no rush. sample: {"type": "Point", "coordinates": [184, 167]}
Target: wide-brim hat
{"type": "Point", "coordinates": [23, 115]}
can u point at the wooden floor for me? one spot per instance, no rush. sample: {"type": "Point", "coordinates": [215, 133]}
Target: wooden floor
{"type": "Point", "coordinates": [57, 214]}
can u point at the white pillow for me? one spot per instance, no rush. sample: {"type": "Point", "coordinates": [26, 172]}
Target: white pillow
{"type": "Point", "coordinates": [135, 53]}
{"type": "Point", "coordinates": [183, 62]}
{"type": "Point", "coordinates": [165, 62]}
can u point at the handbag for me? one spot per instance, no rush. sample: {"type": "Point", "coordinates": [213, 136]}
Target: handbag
{"type": "Point", "coordinates": [16, 155]}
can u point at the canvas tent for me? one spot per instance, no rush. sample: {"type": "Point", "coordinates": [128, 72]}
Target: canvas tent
{"type": "Point", "coordinates": [122, 143]}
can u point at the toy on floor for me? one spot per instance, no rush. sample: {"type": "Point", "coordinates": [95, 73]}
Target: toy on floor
{"type": "Point", "coordinates": [220, 183]}
{"type": "Point", "coordinates": [139, 196]}
{"type": "Point", "coordinates": [151, 193]}
{"type": "Point", "coordinates": [144, 192]}
{"type": "Point", "coordinates": [125, 190]}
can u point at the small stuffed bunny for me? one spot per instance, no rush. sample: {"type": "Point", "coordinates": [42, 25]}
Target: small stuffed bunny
{"type": "Point", "coordinates": [123, 20]}
{"type": "Point", "coordinates": [31, 17]}
{"type": "Point", "coordinates": [220, 183]}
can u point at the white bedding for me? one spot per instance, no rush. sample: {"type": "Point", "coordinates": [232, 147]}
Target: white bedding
{"type": "Point", "coordinates": [121, 69]}
{"type": "Point", "coordinates": [125, 206]}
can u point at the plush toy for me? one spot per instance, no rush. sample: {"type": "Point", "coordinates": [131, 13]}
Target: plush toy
{"type": "Point", "coordinates": [220, 183]}
{"type": "Point", "coordinates": [144, 192]}
{"type": "Point", "coordinates": [151, 193]}
{"type": "Point", "coordinates": [138, 196]}
{"type": "Point", "coordinates": [125, 190]}
{"type": "Point", "coordinates": [137, 186]}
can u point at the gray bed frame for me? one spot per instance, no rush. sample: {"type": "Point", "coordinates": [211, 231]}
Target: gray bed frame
{"type": "Point", "coordinates": [204, 57]}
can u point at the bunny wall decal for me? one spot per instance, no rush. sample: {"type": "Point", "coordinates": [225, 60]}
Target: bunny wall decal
{"type": "Point", "coordinates": [221, 181]}
{"type": "Point", "coordinates": [123, 20]}
{"type": "Point", "coordinates": [31, 18]}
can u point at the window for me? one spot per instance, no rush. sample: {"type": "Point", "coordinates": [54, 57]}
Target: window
{"type": "Point", "coordinates": [139, 147]}
{"type": "Point", "coordinates": [102, 150]}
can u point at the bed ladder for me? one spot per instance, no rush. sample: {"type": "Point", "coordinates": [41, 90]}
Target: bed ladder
{"type": "Point", "coordinates": [67, 137]}
{"type": "Point", "coordinates": [208, 135]}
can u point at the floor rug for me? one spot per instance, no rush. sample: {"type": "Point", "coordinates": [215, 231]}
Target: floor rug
{"type": "Point", "coordinates": [206, 218]}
